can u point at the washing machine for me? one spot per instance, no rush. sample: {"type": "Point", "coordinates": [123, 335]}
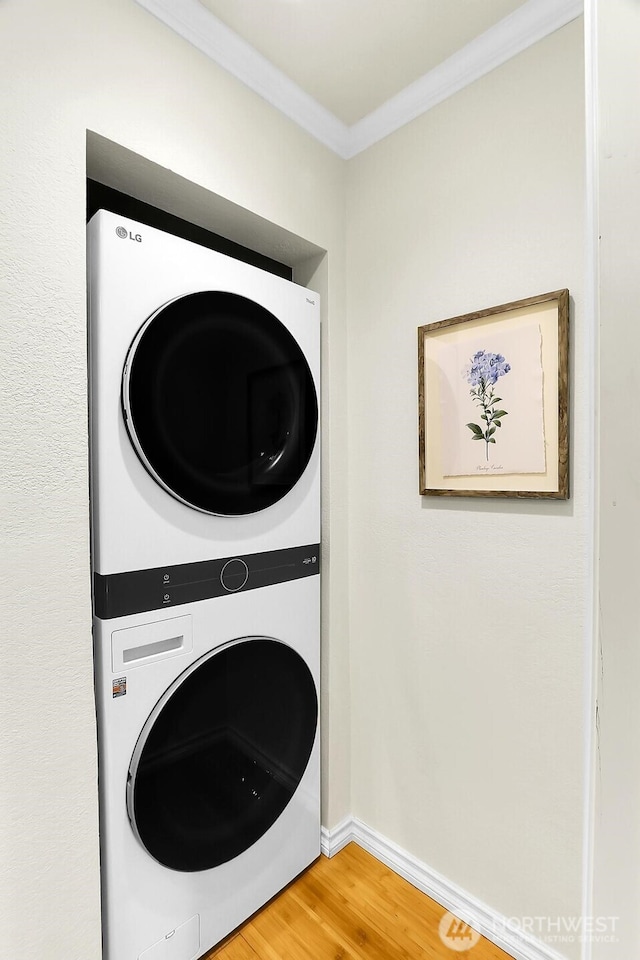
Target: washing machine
{"type": "Point", "coordinates": [209, 762]}
{"type": "Point", "coordinates": [205, 525]}
{"type": "Point", "coordinates": [205, 378]}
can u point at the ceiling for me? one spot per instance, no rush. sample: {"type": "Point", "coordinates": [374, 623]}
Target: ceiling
{"type": "Point", "coordinates": [350, 72]}
{"type": "Point", "coordinates": [352, 55]}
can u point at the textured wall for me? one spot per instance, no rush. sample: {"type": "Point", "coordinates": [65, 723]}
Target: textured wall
{"type": "Point", "coordinates": [108, 66]}
{"type": "Point", "coordinates": [467, 617]}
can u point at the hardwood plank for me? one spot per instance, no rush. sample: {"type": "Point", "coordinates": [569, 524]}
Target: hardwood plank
{"type": "Point", "coordinates": [420, 912]}
{"type": "Point", "coordinates": [286, 930]}
{"type": "Point", "coordinates": [345, 918]}
{"type": "Point", "coordinates": [412, 928]}
{"type": "Point", "coordinates": [410, 903]}
{"type": "Point", "coordinates": [351, 907]}
{"type": "Point", "coordinates": [235, 949]}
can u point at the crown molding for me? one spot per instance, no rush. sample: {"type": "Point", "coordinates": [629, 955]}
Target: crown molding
{"type": "Point", "coordinates": [531, 22]}
{"type": "Point", "coordinates": [192, 21]}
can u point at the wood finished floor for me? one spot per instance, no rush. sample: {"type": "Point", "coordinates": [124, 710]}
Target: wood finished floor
{"type": "Point", "coordinates": [351, 907]}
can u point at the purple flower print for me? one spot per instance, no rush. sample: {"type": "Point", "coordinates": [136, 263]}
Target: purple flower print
{"type": "Point", "coordinates": [483, 373]}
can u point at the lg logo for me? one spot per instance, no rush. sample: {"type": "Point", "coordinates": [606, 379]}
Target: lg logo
{"type": "Point", "coordinates": [123, 234]}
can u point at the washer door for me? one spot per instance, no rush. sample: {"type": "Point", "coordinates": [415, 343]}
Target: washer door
{"type": "Point", "coordinates": [222, 753]}
{"type": "Point", "coordinates": [220, 403]}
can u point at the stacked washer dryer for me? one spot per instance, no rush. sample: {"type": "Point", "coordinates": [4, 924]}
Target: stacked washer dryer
{"type": "Point", "coordinates": [205, 500]}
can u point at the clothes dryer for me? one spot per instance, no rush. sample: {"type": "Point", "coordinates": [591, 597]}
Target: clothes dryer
{"type": "Point", "coordinates": [205, 513]}
{"type": "Point", "coordinates": [209, 761]}
{"type": "Point", "coordinates": [205, 379]}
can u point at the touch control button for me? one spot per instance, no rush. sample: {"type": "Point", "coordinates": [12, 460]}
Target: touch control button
{"type": "Point", "coordinates": [234, 575]}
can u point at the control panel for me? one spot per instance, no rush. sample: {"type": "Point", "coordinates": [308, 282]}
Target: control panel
{"type": "Point", "coordinates": [120, 594]}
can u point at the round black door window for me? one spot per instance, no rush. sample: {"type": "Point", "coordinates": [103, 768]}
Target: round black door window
{"type": "Point", "coordinates": [220, 403]}
{"type": "Point", "coordinates": [222, 754]}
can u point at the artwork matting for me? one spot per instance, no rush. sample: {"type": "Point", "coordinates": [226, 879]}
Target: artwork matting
{"type": "Point", "coordinates": [493, 401]}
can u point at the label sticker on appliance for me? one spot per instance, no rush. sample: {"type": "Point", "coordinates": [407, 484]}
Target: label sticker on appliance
{"type": "Point", "coordinates": [120, 687]}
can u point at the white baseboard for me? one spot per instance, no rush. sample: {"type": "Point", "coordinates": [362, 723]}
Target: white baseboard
{"type": "Point", "coordinates": [493, 925]}
{"type": "Point", "coordinates": [332, 841]}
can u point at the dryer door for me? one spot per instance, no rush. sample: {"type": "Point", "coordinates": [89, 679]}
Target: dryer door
{"type": "Point", "coordinates": [222, 753]}
{"type": "Point", "coordinates": [220, 403]}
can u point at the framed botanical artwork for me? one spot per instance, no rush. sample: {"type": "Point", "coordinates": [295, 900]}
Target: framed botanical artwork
{"type": "Point", "coordinates": [493, 401]}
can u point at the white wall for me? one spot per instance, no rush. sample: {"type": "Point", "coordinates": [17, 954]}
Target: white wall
{"type": "Point", "coordinates": [467, 727]}
{"type": "Point", "coordinates": [467, 617]}
{"type": "Point", "coordinates": [107, 66]}
{"type": "Point", "coordinates": [617, 811]}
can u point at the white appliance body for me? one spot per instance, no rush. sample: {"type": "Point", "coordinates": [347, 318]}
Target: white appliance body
{"type": "Point", "coordinates": [150, 911]}
{"type": "Point", "coordinates": [135, 270]}
{"type": "Point", "coordinates": [206, 622]}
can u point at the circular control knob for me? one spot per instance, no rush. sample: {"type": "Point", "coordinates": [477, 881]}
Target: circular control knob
{"type": "Point", "coordinates": [234, 575]}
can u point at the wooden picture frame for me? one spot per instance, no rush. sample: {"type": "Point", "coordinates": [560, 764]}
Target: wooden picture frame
{"type": "Point", "coordinates": [493, 393]}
